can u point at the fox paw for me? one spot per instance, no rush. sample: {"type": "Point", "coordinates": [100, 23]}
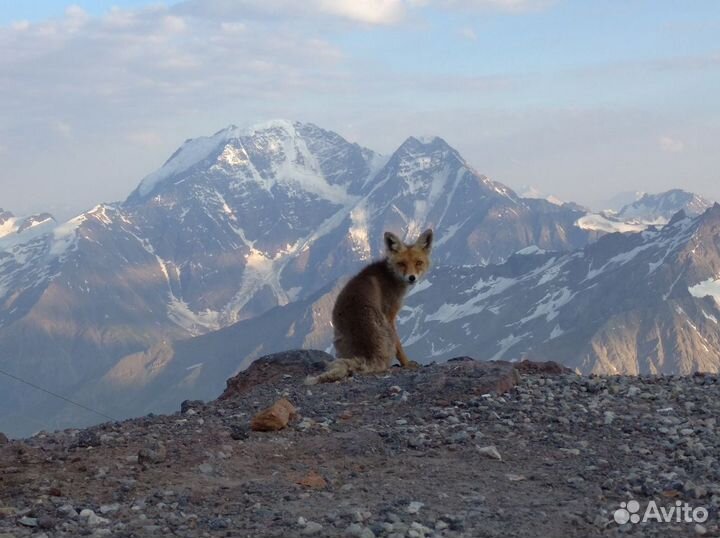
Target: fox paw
{"type": "Point", "coordinates": [412, 365]}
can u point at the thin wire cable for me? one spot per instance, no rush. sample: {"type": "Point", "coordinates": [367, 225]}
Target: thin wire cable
{"type": "Point", "coordinates": [68, 400]}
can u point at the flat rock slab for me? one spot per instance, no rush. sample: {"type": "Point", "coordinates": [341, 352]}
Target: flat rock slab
{"type": "Point", "coordinates": [465, 376]}
{"type": "Point", "coordinates": [271, 368]}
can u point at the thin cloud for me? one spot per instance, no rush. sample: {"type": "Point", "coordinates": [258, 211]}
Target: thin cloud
{"type": "Point", "coordinates": [366, 12]}
{"type": "Point", "coordinates": [20, 25]}
{"type": "Point", "coordinates": [145, 138]}
{"type": "Point", "coordinates": [468, 33]}
{"type": "Point", "coordinates": [512, 6]}
{"type": "Point", "coordinates": [174, 24]}
{"type": "Point", "coordinates": [373, 12]}
{"type": "Point", "coordinates": [670, 144]}
{"type": "Point", "coordinates": [62, 128]}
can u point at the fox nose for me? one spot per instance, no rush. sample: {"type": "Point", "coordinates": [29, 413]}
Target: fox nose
{"type": "Point", "coordinates": [411, 278]}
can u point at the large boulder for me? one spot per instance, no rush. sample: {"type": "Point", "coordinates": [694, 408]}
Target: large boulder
{"type": "Point", "coordinates": [271, 368]}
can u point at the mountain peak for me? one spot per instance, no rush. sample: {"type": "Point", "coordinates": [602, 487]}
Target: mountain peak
{"type": "Point", "coordinates": [425, 143]}
{"type": "Point", "coordinates": [262, 150]}
{"type": "Point", "coordinates": [196, 150]}
{"type": "Point", "coordinates": [663, 205]}
{"type": "Point", "coordinates": [424, 148]}
{"type": "Point", "coordinates": [712, 213]}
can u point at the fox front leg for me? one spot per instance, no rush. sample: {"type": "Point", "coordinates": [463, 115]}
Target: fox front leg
{"type": "Point", "coordinates": [402, 357]}
{"type": "Point", "coordinates": [400, 353]}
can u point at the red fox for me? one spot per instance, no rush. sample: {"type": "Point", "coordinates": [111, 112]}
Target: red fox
{"type": "Point", "coordinates": [366, 338]}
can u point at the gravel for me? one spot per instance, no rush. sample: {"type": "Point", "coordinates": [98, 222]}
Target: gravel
{"type": "Point", "coordinates": [408, 454]}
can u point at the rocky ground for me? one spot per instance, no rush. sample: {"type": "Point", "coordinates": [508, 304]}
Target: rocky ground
{"type": "Point", "coordinates": [416, 453]}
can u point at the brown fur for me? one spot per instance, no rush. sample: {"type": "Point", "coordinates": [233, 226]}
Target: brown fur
{"type": "Point", "coordinates": [366, 338]}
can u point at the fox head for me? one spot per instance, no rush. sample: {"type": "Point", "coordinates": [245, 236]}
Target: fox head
{"type": "Point", "coordinates": [408, 262]}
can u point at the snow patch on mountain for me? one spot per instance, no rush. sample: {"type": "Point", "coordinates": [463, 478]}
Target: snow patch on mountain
{"type": "Point", "coordinates": [65, 235]}
{"type": "Point", "coordinates": [529, 191]}
{"type": "Point", "coordinates": [607, 224]}
{"type": "Point", "coordinates": [529, 251]}
{"type": "Point", "coordinates": [507, 343]}
{"type": "Point", "coordinates": [709, 287]}
{"type": "Point", "coordinates": [662, 206]}
{"type": "Point", "coordinates": [190, 153]}
{"type": "Point", "coordinates": [292, 164]}
{"type": "Point", "coordinates": [8, 226]}
{"type": "Point", "coordinates": [648, 210]}
{"type": "Point", "coordinates": [299, 168]}
{"type": "Point", "coordinates": [549, 306]}
{"type": "Point", "coordinates": [481, 291]}
{"type": "Point", "coordinates": [261, 270]}
{"type": "Point", "coordinates": [195, 323]}
{"type": "Point", "coordinates": [359, 232]}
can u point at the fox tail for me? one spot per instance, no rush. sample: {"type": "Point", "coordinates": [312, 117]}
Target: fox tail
{"type": "Point", "coordinates": [339, 369]}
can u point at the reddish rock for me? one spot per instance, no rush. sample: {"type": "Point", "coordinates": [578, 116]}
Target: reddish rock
{"type": "Point", "coordinates": [274, 418]}
{"type": "Point", "coordinates": [313, 480]}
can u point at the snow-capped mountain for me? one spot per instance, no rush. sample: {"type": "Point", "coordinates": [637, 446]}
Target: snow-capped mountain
{"type": "Point", "coordinates": [10, 224]}
{"type": "Point", "coordinates": [659, 208]}
{"type": "Point", "coordinates": [616, 202]}
{"type": "Point", "coordinates": [229, 227]}
{"type": "Point", "coordinates": [628, 303]}
{"type": "Point", "coordinates": [646, 210]}
{"type": "Point", "coordinates": [529, 191]}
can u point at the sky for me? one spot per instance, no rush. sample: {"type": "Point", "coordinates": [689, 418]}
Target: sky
{"type": "Point", "coordinates": [581, 99]}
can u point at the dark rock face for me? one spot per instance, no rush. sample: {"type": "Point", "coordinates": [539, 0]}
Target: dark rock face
{"type": "Point", "coordinates": [187, 405]}
{"type": "Point", "coordinates": [546, 367]}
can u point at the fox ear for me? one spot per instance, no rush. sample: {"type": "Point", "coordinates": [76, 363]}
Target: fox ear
{"type": "Point", "coordinates": [425, 240]}
{"type": "Point", "coordinates": [393, 243]}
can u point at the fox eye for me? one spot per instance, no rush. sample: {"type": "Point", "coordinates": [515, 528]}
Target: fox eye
{"type": "Point", "coordinates": [402, 265]}
{"type": "Point", "coordinates": [419, 264]}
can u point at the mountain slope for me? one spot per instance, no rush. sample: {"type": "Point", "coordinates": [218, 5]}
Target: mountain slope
{"type": "Point", "coordinates": [620, 305]}
{"type": "Point", "coordinates": [231, 226]}
{"type": "Point", "coordinates": [629, 303]}
{"type": "Point", "coordinates": [662, 206]}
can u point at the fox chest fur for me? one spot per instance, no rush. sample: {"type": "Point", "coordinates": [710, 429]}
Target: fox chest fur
{"type": "Point", "coordinates": [375, 288]}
